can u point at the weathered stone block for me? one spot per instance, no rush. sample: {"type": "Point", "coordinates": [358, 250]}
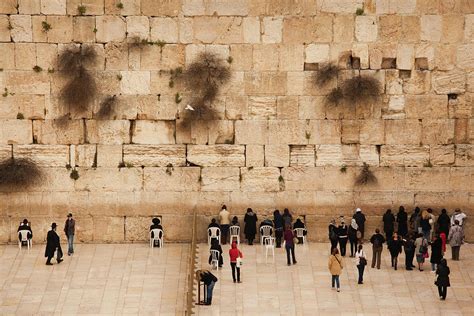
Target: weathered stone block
{"type": "Point", "coordinates": [260, 179]}
{"type": "Point", "coordinates": [109, 155]}
{"type": "Point", "coordinates": [251, 29]}
{"type": "Point", "coordinates": [108, 132]}
{"type": "Point", "coordinates": [445, 58]}
{"type": "Point", "coordinates": [138, 27]}
{"type": "Point", "coordinates": [53, 7]}
{"type": "Point", "coordinates": [61, 29]}
{"type": "Point", "coordinates": [297, 30]}
{"type": "Point", "coordinates": [410, 32]}
{"type": "Point", "coordinates": [21, 28]}
{"type": "Point", "coordinates": [350, 132]}
{"type": "Point", "coordinates": [221, 132]}
{"type": "Point", "coordinates": [109, 179]}
{"type": "Point", "coordinates": [16, 132]}
{"type": "Point", "coordinates": [29, 6]}
{"type": "Point", "coordinates": [130, 7]}
{"type": "Point", "coordinates": [135, 82]}
{"type": "Point", "coordinates": [154, 132]}
{"type": "Point", "coordinates": [366, 29]}
{"type": "Point", "coordinates": [111, 228]}
{"type": "Point", "coordinates": [110, 28]}
{"type": "Point", "coordinates": [405, 56]}
{"type": "Point", "coordinates": [302, 155]}
{"type": "Point", "coordinates": [311, 107]}
{"type": "Point", "coordinates": [418, 83]}
{"type": "Point", "coordinates": [25, 56]}
{"type": "Point", "coordinates": [171, 57]}
{"type": "Point", "coordinates": [262, 107]}
{"type": "Point", "coordinates": [437, 131]}
{"type": "Point", "coordinates": [164, 29]}
{"type": "Point", "coordinates": [254, 155]}
{"type": "Point", "coordinates": [431, 28]}
{"type": "Point", "coordinates": [426, 106]}
{"type": "Point", "coordinates": [464, 58]}
{"type": "Point", "coordinates": [265, 57]}
{"type": "Point", "coordinates": [161, 7]}
{"type": "Point", "coordinates": [427, 179]}
{"type": "Point", "coordinates": [258, 83]}
{"type": "Point", "coordinates": [51, 132]}
{"type": "Point", "coordinates": [317, 53]}
{"type": "Point", "coordinates": [452, 28]}
{"type": "Point", "coordinates": [43, 156]}
{"type": "Point", "coordinates": [93, 7]}
{"type": "Point", "coordinates": [220, 179]}
{"type": "Point", "coordinates": [277, 155]}
{"type": "Point", "coordinates": [361, 51]}
{"type": "Point", "coordinates": [186, 32]}
{"type": "Point", "coordinates": [406, 132]}
{"type": "Point", "coordinates": [442, 155]}
{"type": "Point", "coordinates": [328, 155]}
{"type": "Point", "coordinates": [464, 155]}
{"type": "Point", "coordinates": [404, 155]}
{"type": "Point", "coordinates": [236, 107]}
{"type": "Point", "coordinates": [325, 132]}
{"type": "Point", "coordinates": [46, 55]}
{"type": "Point", "coordinates": [175, 179]}
{"type": "Point", "coordinates": [287, 132]}
{"type": "Point", "coordinates": [116, 56]}
{"type": "Point", "coordinates": [216, 155]}
{"type": "Point", "coordinates": [154, 155]}
{"type": "Point", "coordinates": [7, 51]}
{"type": "Point", "coordinates": [449, 82]}
{"type": "Point", "coordinates": [85, 156]}
{"type": "Point", "coordinates": [341, 6]}
{"type": "Point", "coordinates": [272, 29]}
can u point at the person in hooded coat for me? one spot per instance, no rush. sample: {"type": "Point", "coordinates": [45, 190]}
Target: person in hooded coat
{"type": "Point", "coordinates": [402, 220]}
{"type": "Point", "coordinates": [250, 229]}
{"type": "Point", "coordinates": [360, 220]}
{"type": "Point", "coordinates": [388, 224]}
{"type": "Point", "coordinates": [234, 254]}
{"type": "Point", "coordinates": [278, 221]}
{"type": "Point", "coordinates": [53, 243]}
{"type": "Point", "coordinates": [444, 222]}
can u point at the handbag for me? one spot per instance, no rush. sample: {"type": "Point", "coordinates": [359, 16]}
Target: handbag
{"type": "Point", "coordinates": [295, 240]}
{"type": "Point", "coordinates": [238, 262]}
{"type": "Point", "coordinates": [362, 261]}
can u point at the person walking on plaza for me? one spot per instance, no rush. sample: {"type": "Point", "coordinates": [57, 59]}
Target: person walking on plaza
{"type": "Point", "coordinates": [360, 220]}
{"type": "Point", "coordinates": [402, 220]}
{"type": "Point", "coordinates": [409, 247]}
{"type": "Point", "coordinates": [224, 220]}
{"type": "Point", "coordinates": [235, 256]}
{"type": "Point", "coordinates": [395, 248]}
{"type": "Point", "coordinates": [377, 241]}
{"type": "Point", "coordinates": [53, 245]}
{"type": "Point", "coordinates": [70, 230]}
{"type": "Point", "coordinates": [421, 250]}
{"type": "Point", "coordinates": [456, 239]}
{"type": "Point", "coordinates": [209, 280]}
{"type": "Point", "coordinates": [335, 266]}
{"type": "Point", "coordinates": [388, 224]}
{"type": "Point", "coordinates": [442, 279]}
{"type": "Point", "coordinates": [289, 236]}
{"type": "Point", "coordinates": [352, 235]}
{"type": "Point", "coordinates": [361, 262]}
{"type": "Point", "coordinates": [278, 221]}
{"type": "Point", "coordinates": [332, 230]}
{"type": "Point", "coordinates": [250, 229]}
{"type": "Point", "coordinates": [444, 222]}
{"type": "Point", "coordinates": [342, 234]}
{"type": "Point", "coordinates": [436, 252]}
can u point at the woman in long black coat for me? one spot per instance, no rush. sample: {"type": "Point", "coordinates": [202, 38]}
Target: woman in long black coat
{"type": "Point", "coordinates": [436, 252]}
{"type": "Point", "coordinates": [444, 222]}
{"type": "Point", "coordinates": [402, 220]}
{"type": "Point", "coordinates": [250, 229]}
{"type": "Point", "coordinates": [52, 243]}
{"type": "Point", "coordinates": [442, 281]}
{"type": "Point", "coordinates": [388, 224]}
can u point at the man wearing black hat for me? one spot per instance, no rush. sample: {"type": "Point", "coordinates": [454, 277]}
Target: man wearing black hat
{"type": "Point", "coordinates": [52, 243]}
{"type": "Point", "coordinates": [69, 230]}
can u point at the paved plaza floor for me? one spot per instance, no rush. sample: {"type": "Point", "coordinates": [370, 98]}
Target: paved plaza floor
{"type": "Point", "coordinates": [99, 279]}
{"type": "Point", "coordinates": [305, 289]}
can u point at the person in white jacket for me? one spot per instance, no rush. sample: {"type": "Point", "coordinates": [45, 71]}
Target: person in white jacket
{"type": "Point", "coordinates": [361, 262]}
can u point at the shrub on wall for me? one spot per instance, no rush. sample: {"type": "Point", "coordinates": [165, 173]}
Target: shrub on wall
{"type": "Point", "coordinates": [107, 107]}
{"type": "Point", "coordinates": [19, 173]}
{"type": "Point", "coordinates": [366, 176]}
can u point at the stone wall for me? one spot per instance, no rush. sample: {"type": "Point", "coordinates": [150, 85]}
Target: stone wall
{"type": "Point", "coordinates": [276, 143]}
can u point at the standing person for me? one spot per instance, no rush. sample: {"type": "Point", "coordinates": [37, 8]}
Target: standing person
{"type": "Point", "coordinates": [53, 244]}
{"type": "Point", "coordinates": [409, 247]}
{"type": "Point", "coordinates": [289, 235]}
{"type": "Point", "coordinates": [459, 216]}
{"type": "Point", "coordinates": [388, 224]}
{"type": "Point", "coordinates": [278, 221]}
{"type": "Point", "coordinates": [332, 230]}
{"type": "Point", "coordinates": [287, 217]}
{"type": "Point", "coordinates": [415, 221]}
{"type": "Point", "coordinates": [402, 220]}
{"type": "Point", "coordinates": [234, 254]}
{"type": "Point", "coordinates": [360, 220]}
{"type": "Point", "coordinates": [442, 281]}
{"type": "Point", "coordinates": [352, 234]}
{"type": "Point", "coordinates": [224, 220]}
{"type": "Point", "coordinates": [209, 280]}
{"type": "Point", "coordinates": [436, 252]}
{"type": "Point", "coordinates": [421, 250]}
{"type": "Point", "coordinates": [361, 262]}
{"type": "Point", "coordinates": [395, 248]}
{"type": "Point", "coordinates": [444, 222]}
{"type": "Point", "coordinates": [443, 238]}
{"type": "Point", "coordinates": [335, 266]}
{"type": "Point", "coordinates": [425, 224]}
{"type": "Point", "coordinates": [456, 239]}
{"type": "Point", "coordinates": [342, 234]}
{"type": "Point", "coordinates": [250, 230]}
{"type": "Point", "coordinates": [377, 241]}
{"type": "Point", "coordinates": [69, 230]}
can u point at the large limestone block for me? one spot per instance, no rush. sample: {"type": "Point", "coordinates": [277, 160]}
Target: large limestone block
{"type": "Point", "coordinates": [469, 28]}
{"type": "Point", "coordinates": [31, 106]}
{"type": "Point", "coordinates": [5, 33]}
{"type": "Point", "coordinates": [445, 58]}
{"type": "Point", "coordinates": [302, 178]}
{"type": "Point", "coordinates": [426, 106]}
{"type": "Point", "coordinates": [24, 82]}
{"type": "Point", "coordinates": [116, 56]}
{"type": "Point", "coordinates": [164, 29]}
{"type": "Point", "coordinates": [50, 132]}
{"type": "Point", "coordinates": [251, 29]}
{"type": "Point", "coordinates": [410, 32]}
{"type": "Point", "coordinates": [108, 132]}
{"type": "Point", "coordinates": [390, 28]}
{"type": "Point", "coordinates": [25, 56]}
{"type": "Point", "coordinates": [161, 7]}
{"type": "Point", "coordinates": [85, 156]}
{"type": "Point", "coordinates": [427, 179]}
{"type": "Point", "coordinates": [154, 155]}
{"type": "Point", "coordinates": [405, 56]}
{"type": "Point", "coordinates": [130, 7]}
{"type": "Point", "coordinates": [236, 107]}
{"type": "Point", "coordinates": [154, 132]}
{"type": "Point", "coordinates": [137, 228]}
{"type": "Point", "coordinates": [442, 155]}
{"type": "Point", "coordinates": [366, 28]}
{"type": "Point", "coordinates": [281, 8]}
{"type": "Point", "coordinates": [242, 57]}
{"type": "Point", "coordinates": [287, 132]}
{"type": "Point", "coordinates": [21, 28]}
{"type": "Point", "coordinates": [302, 155]}
{"type": "Point", "coordinates": [453, 28]}
{"type": "Point", "coordinates": [431, 28]}
{"type": "Point", "coordinates": [16, 132]}
{"type": "Point", "coordinates": [254, 155]}
{"type": "Point", "coordinates": [297, 30]}
{"type": "Point", "coordinates": [418, 83]}
{"type": "Point", "coordinates": [8, 7]}
{"type": "Point", "coordinates": [29, 6]}
{"type": "Point", "coordinates": [227, 7]}
{"type": "Point", "coordinates": [398, 132]}
{"type": "Point", "coordinates": [220, 179]}
{"type": "Point", "coordinates": [135, 82]}
{"type": "Point", "coordinates": [350, 131]}
{"type": "Point", "coordinates": [170, 57]}
{"type": "Point", "coordinates": [329, 155]}
{"type": "Point", "coordinates": [344, 28]}
{"type": "Point", "coordinates": [109, 155]}
{"type": "Point", "coordinates": [50, 7]}
{"type": "Point", "coordinates": [258, 83]}
{"type": "Point", "coordinates": [272, 28]}
{"type": "Point", "coordinates": [265, 57]}
{"type": "Point", "coordinates": [368, 154]}
{"type": "Point", "coordinates": [216, 155]}
{"type": "Point", "coordinates": [324, 132]}
{"type": "Point", "coordinates": [138, 27]}
{"type": "Point", "coordinates": [311, 107]}
{"type": "Point", "coordinates": [464, 58]}
{"type": "Point", "coordinates": [111, 228]}
{"type": "Point", "coordinates": [437, 132]}
{"type": "Point", "coordinates": [361, 51]}
{"type": "Point", "coordinates": [341, 6]}
{"type": "Point", "coordinates": [44, 156]}
{"type": "Point", "coordinates": [109, 179]}
{"type": "Point", "coordinates": [334, 180]}
{"type": "Point", "coordinates": [7, 51]}
{"type": "Point", "coordinates": [277, 155]}
{"type": "Point", "coordinates": [464, 155]}
{"type": "Point", "coordinates": [221, 132]}
{"type": "Point", "coordinates": [404, 155]}
{"type": "Point", "coordinates": [6, 152]}
{"type": "Point", "coordinates": [460, 179]}
{"type": "Point", "coordinates": [46, 55]}
{"type": "Point", "coordinates": [449, 82]}
{"type": "Point", "coordinates": [61, 29]}
{"type": "Point", "coordinates": [172, 179]}
{"type": "Point", "coordinates": [261, 108]}
{"type": "Point", "coordinates": [287, 108]}
{"type": "Point", "coordinates": [317, 53]}
{"type": "Point", "coordinates": [38, 34]}
{"type": "Point", "coordinates": [213, 29]}
{"type": "Point", "coordinates": [110, 28]}
{"type": "Point", "coordinates": [260, 179]}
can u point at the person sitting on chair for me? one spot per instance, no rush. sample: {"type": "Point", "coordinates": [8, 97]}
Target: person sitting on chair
{"type": "Point", "coordinates": [25, 226]}
{"type": "Point", "coordinates": [213, 224]}
{"type": "Point", "coordinates": [216, 246]}
{"type": "Point", "coordinates": [300, 224]}
{"type": "Point", "coordinates": [156, 225]}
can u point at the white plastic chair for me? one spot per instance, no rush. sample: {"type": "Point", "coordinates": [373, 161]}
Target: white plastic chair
{"type": "Point", "coordinates": [234, 232]}
{"type": "Point", "coordinates": [270, 246]}
{"type": "Point", "coordinates": [265, 232]}
{"type": "Point", "coordinates": [23, 234]}
{"type": "Point", "coordinates": [213, 232]}
{"type": "Point", "coordinates": [299, 232]}
{"type": "Point", "coordinates": [215, 258]}
{"type": "Point", "coordinates": [157, 235]}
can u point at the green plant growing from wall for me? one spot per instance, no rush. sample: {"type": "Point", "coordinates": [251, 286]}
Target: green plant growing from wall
{"type": "Point", "coordinates": [10, 26]}
{"type": "Point", "coordinates": [19, 173]}
{"type": "Point", "coordinates": [169, 169]}
{"type": "Point", "coordinates": [81, 9]}
{"type": "Point", "coordinates": [177, 98]}
{"type": "Point", "coordinates": [360, 11]}
{"type": "Point", "coordinates": [281, 182]}
{"type": "Point", "coordinates": [20, 116]}
{"type": "Point", "coordinates": [343, 169]}
{"type": "Point", "coordinates": [37, 69]}
{"type": "Point", "coordinates": [46, 26]}
{"type": "Point", "coordinates": [366, 176]}
{"type": "Point", "coordinates": [119, 5]}
{"type": "Point", "coordinates": [74, 174]}
{"type": "Point", "coordinates": [107, 107]}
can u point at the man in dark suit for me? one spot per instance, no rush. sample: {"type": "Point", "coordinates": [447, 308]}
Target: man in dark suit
{"type": "Point", "coordinates": [52, 243]}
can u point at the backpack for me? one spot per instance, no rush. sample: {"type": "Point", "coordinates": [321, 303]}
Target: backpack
{"type": "Point", "coordinates": [377, 242]}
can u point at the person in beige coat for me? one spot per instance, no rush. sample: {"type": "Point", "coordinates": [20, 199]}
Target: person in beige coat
{"type": "Point", "coordinates": [335, 266]}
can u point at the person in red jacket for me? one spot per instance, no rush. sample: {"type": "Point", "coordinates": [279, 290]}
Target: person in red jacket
{"type": "Point", "coordinates": [234, 254]}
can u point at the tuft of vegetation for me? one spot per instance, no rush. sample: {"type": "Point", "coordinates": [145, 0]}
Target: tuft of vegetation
{"type": "Point", "coordinates": [20, 116]}
{"type": "Point", "coordinates": [10, 26]}
{"type": "Point", "coordinates": [68, 167]}
{"type": "Point", "coordinates": [361, 88]}
{"type": "Point", "coordinates": [428, 164]}
{"type": "Point", "coordinates": [81, 89]}
{"type": "Point", "coordinates": [177, 98]}
{"type": "Point", "coordinates": [74, 174]}
{"type": "Point", "coordinates": [121, 165]}
{"type": "Point", "coordinates": [137, 42]}
{"type": "Point", "coordinates": [128, 165]}
{"type": "Point", "coordinates": [81, 9]}
{"type": "Point", "coordinates": [37, 68]}
{"type": "Point", "coordinates": [46, 26]}
{"type": "Point", "coordinates": [6, 93]}
{"type": "Point", "coordinates": [175, 74]}
{"type": "Point", "coordinates": [343, 169]}
{"type": "Point", "coordinates": [119, 77]}
{"type": "Point", "coordinates": [19, 173]}
{"type": "Point", "coordinates": [360, 11]}
{"type": "Point", "coordinates": [365, 176]}
{"type": "Point", "coordinates": [50, 70]}
{"type": "Point", "coordinates": [94, 30]}
{"type": "Point", "coordinates": [169, 169]}
{"type": "Point", "coordinates": [107, 107]}
{"type": "Point", "coordinates": [335, 96]}
{"type": "Point", "coordinates": [281, 182]}
{"type": "Point", "coordinates": [230, 59]}
{"type": "Point", "coordinates": [307, 135]}
{"type": "Point", "coordinates": [119, 5]}
{"type": "Point", "coordinates": [326, 73]}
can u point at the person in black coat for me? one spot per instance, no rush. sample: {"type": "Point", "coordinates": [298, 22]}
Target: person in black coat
{"type": "Point", "coordinates": [342, 236]}
{"type": "Point", "coordinates": [402, 220]}
{"type": "Point", "coordinates": [25, 226]}
{"type": "Point", "coordinates": [395, 248]}
{"type": "Point", "coordinates": [250, 229]}
{"type": "Point", "coordinates": [213, 224]}
{"type": "Point", "coordinates": [52, 243]}
{"type": "Point", "coordinates": [209, 280]}
{"type": "Point", "coordinates": [278, 221]}
{"type": "Point", "coordinates": [444, 222]}
{"type": "Point", "coordinates": [216, 246]}
{"type": "Point", "coordinates": [360, 220]}
{"type": "Point", "coordinates": [409, 247]}
{"type": "Point", "coordinates": [332, 231]}
{"type": "Point", "coordinates": [442, 281]}
{"type": "Point", "coordinates": [300, 224]}
{"type": "Point", "coordinates": [388, 224]}
{"type": "Point", "coordinates": [436, 251]}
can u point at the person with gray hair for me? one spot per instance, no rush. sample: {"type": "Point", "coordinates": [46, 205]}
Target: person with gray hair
{"type": "Point", "coordinates": [456, 239]}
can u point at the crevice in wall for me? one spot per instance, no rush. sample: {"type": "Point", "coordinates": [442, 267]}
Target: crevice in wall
{"type": "Point", "coordinates": [389, 63]}
{"type": "Point", "coordinates": [131, 130]}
